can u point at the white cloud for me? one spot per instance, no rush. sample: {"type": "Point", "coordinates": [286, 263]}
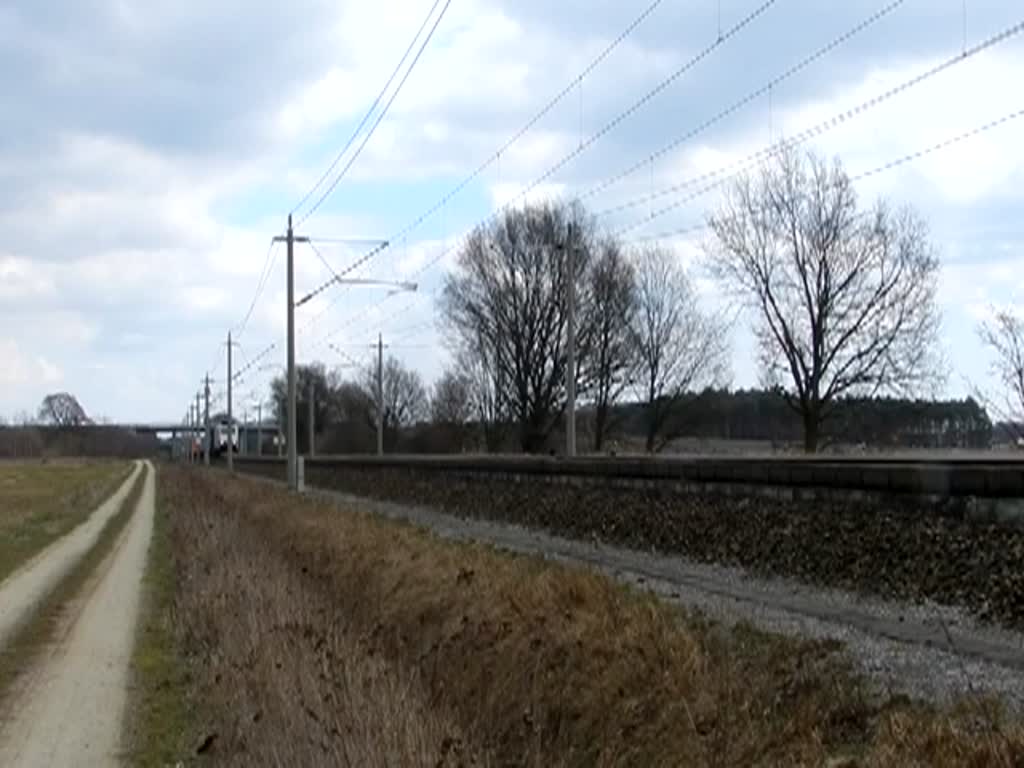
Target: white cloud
{"type": "Point", "coordinates": [149, 152]}
{"type": "Point", "coordinates": [24, 372]}
{"type": "Point", "coordinates": [21, 281]}
{"type": "Point", "coordinates": [516, 195]}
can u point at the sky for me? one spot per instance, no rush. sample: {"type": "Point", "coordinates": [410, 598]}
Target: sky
{"type": "Point", "coordinates": [150, 150]}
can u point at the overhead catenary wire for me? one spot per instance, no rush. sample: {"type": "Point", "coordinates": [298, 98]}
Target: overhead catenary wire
{"type": "Point", "coordinates": [717, 177]}
{"type": "Point", "coordinates": [529, 124]}
{"type": "Point", "coordinates": [369, 112]}
{"type": "Point", "coordinates": [237, 376]}
{"type": "Point", "coordinates": [356, 318]}
{"type": "Point", "coordinates": [792, 71]}
{"type": "Point", "coordinates": [817, 130]}
{"type": "Point", "coordinates": [268, 267]}
{"type": "Point", "coordinates": [762, 154]}
{"type": "Point", "coordinates": [889, 165]}
{"type": "Point", "coordinates": [338, 277]}
{"type": "Point", "coordinates": [380, 117]}
{"type": "Point", "coordinates": [607, 128]}
{"type": "Point", "coordinates": [807, 61]}
{"type": "Point", "coordinates": [627, 113]}
{"type": "Point", "coordinates": [324, 261]}
{"type": "Point", "coordinates": [792, 141]}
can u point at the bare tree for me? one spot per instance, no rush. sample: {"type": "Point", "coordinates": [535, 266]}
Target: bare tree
{"type": "Point", "coordinates": [405, 398]}
{"type": "Point", "coordinates": [63, 410]}
{"type": "Point", "coordinates": [23, 419]}
{"type": "Point", "coordinates": [1004, 335]}
{"type": "Point", "coordinates": [313, 376]}
{"type": "Point", "coordinates": [487, 395]}
{"type": "Point", "coordinates": [609, 311]}
{"type": "Point", "coordinates": [679, 347]}
{"type": "Point", "coordinates": [451, 410]}
{"type": "Point", "coordinates": [845, 298]}
{"type": "Point", "coordinates": [505, 306]}
{"type": "Point", "coordinates": [450, 402]}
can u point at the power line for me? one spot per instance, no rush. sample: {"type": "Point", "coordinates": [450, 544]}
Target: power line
{"type": "Point", "coordinates": [772, 149]}
{"type": "Point", "coordinates": [529, 124]}
{"type": "Point", "coordinates": [717, 177]}
{"type": "Point", "coordinates": [324, 261]}
{"type": "Point", "coordinates": [356, 318]}
{"type": "Point", "coordinates": [338, 277]}
{"type": "Point", "coordinates": [884, 167]}
{"type": "Point", "coordinates": [551, 104]}
{"type": "Point", "coordinates": [750, 97]}
{"type": "Point", "coordinates": [268, 267]}
{"type": "Point", "coordinates": [380, 117]}
{"type": "Point", "coordinates": [618, 119]}
{"type": "Point", "coordinates": [887, 166]}
{"type": "Point", "coordinates": [248, 366]}
{"type": "Point", "coordinates": [369, 112]}
{"type": "Point", "coordinates": [910, 157]}
{"type": "Point", "coordinates": [638, 104]}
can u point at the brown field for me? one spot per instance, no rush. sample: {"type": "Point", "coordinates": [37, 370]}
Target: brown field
{"type": "Point", "coordinates": [41, 501]}
{"type": "Point", "coordinates": [313, 635]}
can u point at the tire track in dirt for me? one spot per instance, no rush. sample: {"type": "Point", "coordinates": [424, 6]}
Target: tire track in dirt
{"type": "Point", "coordinates": [33, 581]}
{"type": "Point", "coordinates": [71, 709]}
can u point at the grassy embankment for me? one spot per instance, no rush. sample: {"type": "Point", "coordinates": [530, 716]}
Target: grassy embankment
{"type": "Point", "coordinates": [42, 501]}
{"type": "Point", "coordinates": [309, 636]}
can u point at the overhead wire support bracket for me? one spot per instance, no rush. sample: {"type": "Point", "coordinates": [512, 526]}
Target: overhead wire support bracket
{"type": "Point", "coordinates": [357, 281]}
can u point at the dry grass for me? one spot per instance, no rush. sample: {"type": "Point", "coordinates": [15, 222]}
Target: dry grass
{"type": "Point", "coordinates": [42, 501]}
{"type": "Point", "coordinates": [523, 662]}
{"type": "Point", "coordinates": [158, 716]}
{"type": "Point", "coordinates": [279, 676]}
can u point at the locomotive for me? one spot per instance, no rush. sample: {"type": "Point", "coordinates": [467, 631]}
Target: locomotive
{"type": "Point", "coordinates": [223, 432]}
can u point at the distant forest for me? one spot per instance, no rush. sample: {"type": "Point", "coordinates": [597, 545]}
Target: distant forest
{"type": "Point", "coordinates": [745, 415]}
{"type": "Point", "coordinates": [877, 422]}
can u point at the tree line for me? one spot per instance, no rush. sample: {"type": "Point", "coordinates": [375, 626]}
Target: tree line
{"type": "Point", "coordinates": [841, 296]}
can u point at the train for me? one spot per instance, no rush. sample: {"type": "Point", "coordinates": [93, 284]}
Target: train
{"type": "Point", "coordinates": [223, 432]}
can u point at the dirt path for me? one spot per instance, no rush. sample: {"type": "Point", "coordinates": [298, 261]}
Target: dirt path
{"type": "Point", "coordinates": [33, 581]}
{"type": "Point", "coordinates": [71, 709]}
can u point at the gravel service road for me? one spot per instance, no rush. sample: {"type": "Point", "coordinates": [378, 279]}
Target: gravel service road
{"type": "Point", "coordinates": [33, 581]}
{"type": "Point", "coordinates": [926, 651]}
{"type": "Point", "coordinates": [71, 708]}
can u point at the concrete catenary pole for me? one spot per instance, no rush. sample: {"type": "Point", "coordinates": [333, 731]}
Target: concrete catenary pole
{"type": "Point", "coordinates": [231, 421]}
{"type": "Point", "coordinates": [259, 428]}
{"type": "Point", "coordinates": [312, 418]}
{"type": "Point", "coordinates": [293, 457]}
{"type": "Point", "coordinates": [206, 420]}
{"type": "Point", "coordinates": [199, 417]}
{"type": "Point", "coordinates": [570, 366]}
{"type": "Point", "coordinates": [380, 395]}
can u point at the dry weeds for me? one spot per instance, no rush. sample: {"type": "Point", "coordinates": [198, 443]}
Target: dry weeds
{"type": "Point", "coordinates": [513, 658]}
{"type": "Point", "coordinates": [280, 677]}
